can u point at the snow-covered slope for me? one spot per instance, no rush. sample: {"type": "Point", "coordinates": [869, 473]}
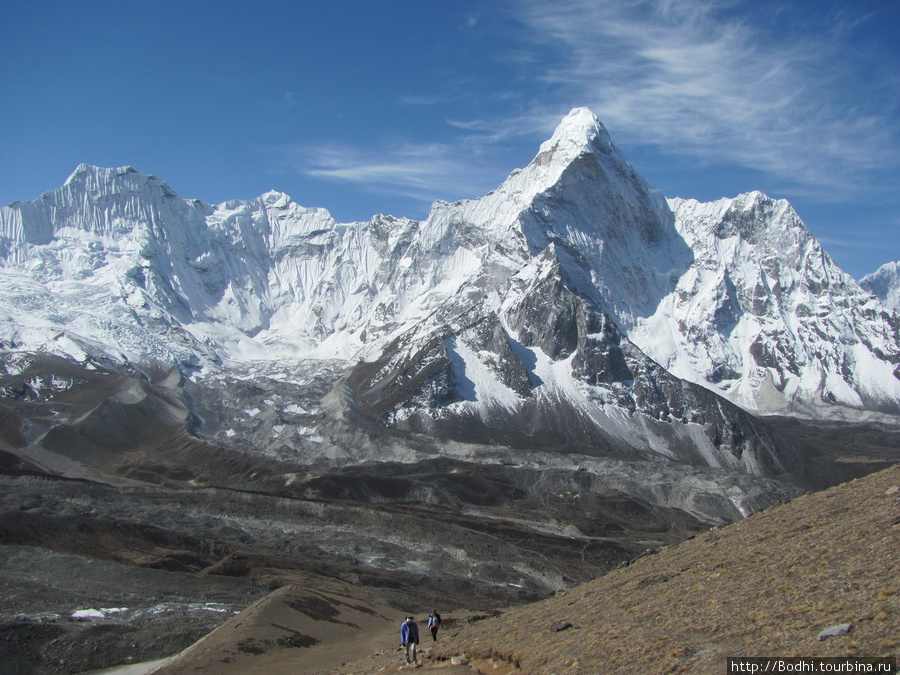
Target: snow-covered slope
{"type": "Point", "coordinates": [767, 318]}
{"type": "Point", "coordinates": [571, 307]}
{"type": "Point", "coordinates": [115, 257]}
{"type": "Point", "coordinates": [252, 278]}
{"type": "Point", "coordinates": [884, 284]}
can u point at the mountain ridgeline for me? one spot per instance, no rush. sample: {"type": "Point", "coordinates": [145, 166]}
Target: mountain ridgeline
{"type": "Point", "coordinates": [572, 320]}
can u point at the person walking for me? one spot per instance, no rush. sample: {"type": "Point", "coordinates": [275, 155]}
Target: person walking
{"type": "Point", "coordinates": [409, 638]}
{"type": "Point", "coordinates": [434, 622]}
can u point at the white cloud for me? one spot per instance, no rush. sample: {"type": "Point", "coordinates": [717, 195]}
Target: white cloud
{"type": "Point", "coordinates": [713, 83]}
{"type": "Point", "coordinates": [679, 76]}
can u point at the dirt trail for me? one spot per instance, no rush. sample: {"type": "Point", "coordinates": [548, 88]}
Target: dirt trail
{"type": "Point", "coordinates": [301, 630]}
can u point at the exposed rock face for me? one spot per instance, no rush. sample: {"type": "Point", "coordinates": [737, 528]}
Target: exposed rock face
{"type": "Point", "coordinates": [554, 371]}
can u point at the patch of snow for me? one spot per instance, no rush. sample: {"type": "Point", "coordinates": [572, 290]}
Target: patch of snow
{"type": "Point", "coordinates": [103, 613]}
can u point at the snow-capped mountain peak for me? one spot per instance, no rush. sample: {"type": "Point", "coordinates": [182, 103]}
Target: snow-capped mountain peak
{"type": "Point", "coordinates": [884, 284]}
{"type": "Point", "coordinates": [774, 323]}
{"type": "Point", "coordinates": [104, 183]}
{"type": "Point", "coordinates": [578, 131]}
{"type": "Point", "coordinates": [85, 173]}
{"type": "Point", "coordinates": [735, 295]}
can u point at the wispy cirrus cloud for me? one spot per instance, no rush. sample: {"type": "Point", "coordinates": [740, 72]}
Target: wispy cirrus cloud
{"type": "Point", "coordinates": [423, 172]}
{"type": "Point", "coordinates": [686, 77]}
{"type": "Point", "coordinates": [708, 83]}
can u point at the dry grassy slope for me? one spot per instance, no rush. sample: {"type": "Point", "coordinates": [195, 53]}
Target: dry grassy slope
{"type": "Point", "coordinates": [764, 586]}
{"type": "Point", "coordinates": [295, 629]}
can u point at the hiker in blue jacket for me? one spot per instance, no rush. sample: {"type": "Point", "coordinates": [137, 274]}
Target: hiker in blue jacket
{"type": "Point", "coordinates": [409, 638]}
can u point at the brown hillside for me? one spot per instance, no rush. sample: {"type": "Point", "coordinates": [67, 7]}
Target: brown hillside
{"type": "Point", "coordinates": [295, 629]}
{"type": "Point", "coordinates": [765, 586]}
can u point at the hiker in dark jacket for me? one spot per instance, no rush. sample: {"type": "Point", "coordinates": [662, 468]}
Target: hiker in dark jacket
{"type": "Point", "coordinates": [434, 622]}
{"type": "Point", "coordinates": [409, 638]}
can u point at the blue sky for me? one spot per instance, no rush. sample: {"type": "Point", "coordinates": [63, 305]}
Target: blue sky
{"type": "Point", "coordinates": [367, 107]}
